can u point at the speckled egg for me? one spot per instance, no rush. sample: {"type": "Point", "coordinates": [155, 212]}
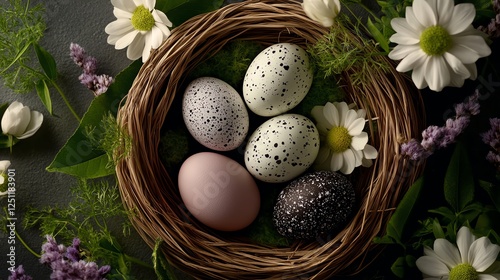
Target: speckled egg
{"type": "Point", "coordinates": [314, 204]}
{"type": "Point", "coordinates": [214, 114]}
{"type": "Point", "coordinates": [277, 79]}
{"type": "Point", "coordinates": [282, 148]}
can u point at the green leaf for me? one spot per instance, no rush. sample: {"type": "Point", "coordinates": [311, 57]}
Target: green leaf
{"type": "Point", "coordinates": [437, 229]}
{"type": "Point", "coordinates": [47, 62]}
{"type": "Point", "coordinates": [110, 245]}
{"type": "Point", "coordinates": [445, 212]}
{"type": "Point", "coordinates": [493, 191]}
{"type": "Point", "coordinates": [397, 223]}
{"type": "Point", "coordinates": [398, 267]}
{"type": "Point", "coordinates": [160, 263]}
{"type": "Point", "coordinates": [458, 180]}
{"type": "Point", "coordinates": [178, 11]}
{"type": "Point", "coordinates": [377, 35]}
{"type": "Point", "coordinates": [78, 157]}
{"type": "Point", "coordinates": [43, 92]}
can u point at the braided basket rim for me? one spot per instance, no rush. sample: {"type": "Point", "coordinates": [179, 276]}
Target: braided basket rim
{"type": "Point", "coordinates": [148, 190]}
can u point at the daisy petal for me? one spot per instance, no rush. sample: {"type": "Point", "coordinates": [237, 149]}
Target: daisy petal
{"type": "Point", "coordinates": [413, 60]}
{"type": "Point", "coordinates": [358, 158]}
{"type": "Point", "coordinates": [356, 127]}
{"type": "Point", "coordinates": [323, 155]}
{"type": "Point", "coordinates": [125, 5]}
{"type": "Point", "coordinates": [462, 17]}
{"type": "Point", "coordinates": [472, 70]}
{"type": "Point", "coordinates": [147, 46]}
{"type": "Point", "coordinates": [342, 108]}
{"type": "Point", "coordinates": [401, 51]}
{"type": "Point", "coordinates": [134, 51]}
{"type": "Point", "coordinates": [482, 254]}
{"type": "Point", "coordinates": [404, 39]}
{"type": "Point", "coordinates": [464, 241]}
{"type": "Point", "coordinates": [447, 252]}
{"type": "Point", "coordinates": [361, 113]}
{"type": "Point", "coordinates": [412, 19]}
{"type": "Point", "coordinates": [432, 266]}
{"type": "Point", "coordinates": [401, 26]}
{"type": "Point", "coordinates": [350, 118]}
{"type": "Point", "coordinates": [370, 152]}
{"type": "Point", "coordinates": [337, 162]}
{"type": "Point", "coordinates": [443, 8]}
{"type": "Point", "coordinates": [160, 16]}
{"type": "Point", "coordinates": [117, 26]}
{"type": "Point", "coordinates": [487, 277]}
{"type": "Point", "coordinates": [149, 4]}
{"type": "Point", "coordinates": [358, 143]}
{"type": "Point", "coordinates": [437, 74]}
{"type": "Point", "coordinates": [156, 37]}
{"type": "Point", "coordinates": [418, 76]}
{"type": "Point", "coordinates": [349, 162]}
{"type": "Point", "coordinates": [119, 13]}
{"type": "Point", "coordinates": [424, 13]}
{"type": "Point", "coordinates": [126, 40]}
{"type": "Point", "coordinates": [473, 43]}
{"type": "Point", "coordinates": [456, 65]}
{"type": "Point", "coordinates": [331, 114]}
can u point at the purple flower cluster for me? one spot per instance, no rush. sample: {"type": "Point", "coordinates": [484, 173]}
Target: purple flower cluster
{"type": "Point", "coordinates": [492, 138]}
{"type": "Point", "coordinates": [66, 263]}
{"type": "Point", "coordinates": [493, 28]}
{"type": "Point", "coordinates": [435, 137]}
{"type": "Point", "coordinates": [99, 84]}
{"type": "Point", "coordinates": [19, 274]}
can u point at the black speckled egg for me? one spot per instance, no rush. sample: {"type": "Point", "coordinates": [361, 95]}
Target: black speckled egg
{"type": "Point", "coordinates": [314, 204]}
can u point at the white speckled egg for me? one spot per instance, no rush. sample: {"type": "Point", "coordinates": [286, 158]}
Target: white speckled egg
{"type": "Point", "coordinates": [314, 204]}
{"type": "Point", "coordinates": [215, 114]}
{"type": "Point", "coordinates": [282, 148]}
{"type": "Point", "coordinates": [277, 79]}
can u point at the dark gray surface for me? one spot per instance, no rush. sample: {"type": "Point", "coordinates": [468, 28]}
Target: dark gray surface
{"type": "Point", "coordinates": [82, 22]}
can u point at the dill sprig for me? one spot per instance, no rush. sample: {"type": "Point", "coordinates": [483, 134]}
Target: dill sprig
{"type": "Point", "coordinates": [111, 138]}
{"type": "Point", "coordinates": [92, 207]}
{"type": "Point", "coordinates": [21, 27]}
{"type": "Point", "coordinates": [343, 49]}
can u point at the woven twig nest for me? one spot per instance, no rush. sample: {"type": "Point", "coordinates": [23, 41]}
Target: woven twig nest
{"type": "Point", "coordinates": [149, 190]}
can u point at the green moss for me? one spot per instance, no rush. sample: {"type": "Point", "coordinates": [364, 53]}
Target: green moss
{"type": "Point", "coordinates": [174, 147]}
{"type": "Point", "coordinates": [230, 63]}
{"type": "Point", "coordinates": [262, 231]}
{"type": "Point", "coordinates": [323, 90]}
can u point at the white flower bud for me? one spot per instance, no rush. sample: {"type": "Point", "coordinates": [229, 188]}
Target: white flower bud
{"type": "Point", "coordinates": [19, 121]}
{"type": "Point", "coordinates": [322, 11]}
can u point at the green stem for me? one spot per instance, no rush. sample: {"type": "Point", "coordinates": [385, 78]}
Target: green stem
{"type": "Point", "coordinates": [63, 96]}
{"type": "Point", "coordinates": [138, 261]}
{"type": "Point", "coordinates": [27, 246]}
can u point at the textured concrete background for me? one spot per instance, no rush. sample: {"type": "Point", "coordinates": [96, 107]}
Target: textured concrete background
{"type": "Point", "coordinates": [82, 22]}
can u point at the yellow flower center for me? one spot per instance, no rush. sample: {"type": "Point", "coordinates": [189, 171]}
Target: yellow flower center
{"type": "Point", "coordinates": [463, 271]}
{"type": "Point", "coordinates": [435, 40]}
{"type": "Point", "coordinates": [338, 139]}
{"type": "Point", "coordinates": [142, 19]}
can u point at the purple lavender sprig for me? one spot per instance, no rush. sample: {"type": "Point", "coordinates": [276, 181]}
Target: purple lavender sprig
{"type": "Point", "coordinates": [99, 84]}
{"type": "Point", "coordinates": [66, 263]}
{"type": "Point", "coordinates": [492, 138]}
{"type": "Point", "coordinates": [493, 28]}
{"type": "Point", "coordinates": [19, 274]}
{"type": "Point", "coordinates": [435, 137]}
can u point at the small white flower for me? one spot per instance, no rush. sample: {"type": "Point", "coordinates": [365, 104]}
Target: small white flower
{"type": "Point", "coordinates": [138, 26]}
{"type": "Point", "coordinates": [20, 122]}
{"type": "Point", "coordinates": [343, 141]}
{"type": "Point", "coordinates": [322, 11]}
{"type": "Point", "coordinates": [468, 261]}
{"type": "Point", "coordinates": [4, 165]}
{"type": "Point", "coordinates": [438, 42]}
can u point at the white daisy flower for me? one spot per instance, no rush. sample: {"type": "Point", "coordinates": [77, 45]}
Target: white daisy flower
{"type": "Point", "coordinates": [438, 42]}
{"type": "Point", "coordinates": [467, 262]}
{"type": "Point", "coordinates": [343, 141]}
{"type": "Point", "coordinates": [322, 11]}
{"type": "Point", "coordinates": [138, 26]}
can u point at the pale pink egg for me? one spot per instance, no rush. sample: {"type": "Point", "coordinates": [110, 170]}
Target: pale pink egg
{"type": "Point", "coordinates": [218, 191]}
